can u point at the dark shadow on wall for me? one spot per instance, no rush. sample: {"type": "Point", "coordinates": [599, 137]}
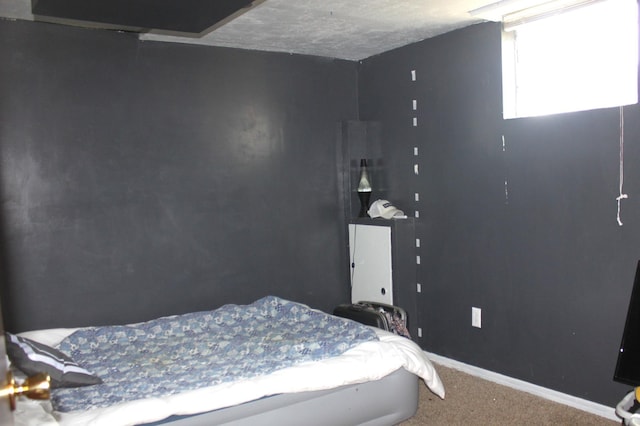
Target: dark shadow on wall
{"type": "Point", "coordinates": [6, 305]}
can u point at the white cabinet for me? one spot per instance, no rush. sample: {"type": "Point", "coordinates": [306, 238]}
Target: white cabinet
{"type": "Point", "coordinates": [383, 261]}
{"type": "Point", "coordinates": [371, 263]}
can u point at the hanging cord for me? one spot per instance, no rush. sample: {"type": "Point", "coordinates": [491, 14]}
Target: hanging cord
{"type": "Point", "coordinates": [622, 195]}
{"type": "Point", "coordinates": [352, 265]}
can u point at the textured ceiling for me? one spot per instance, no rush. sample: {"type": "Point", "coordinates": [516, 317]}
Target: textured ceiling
{"type": "Point", "coordinates": [342, 29]}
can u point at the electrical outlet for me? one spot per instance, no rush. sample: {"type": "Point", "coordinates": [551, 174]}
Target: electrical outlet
{"type": "Point", "coordinates": [476, 317]}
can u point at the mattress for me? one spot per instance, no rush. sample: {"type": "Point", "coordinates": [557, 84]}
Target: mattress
{"type": "Point", "coordinates": [384, 402]}
{"type": "Point", "coordinates": [369, 361]}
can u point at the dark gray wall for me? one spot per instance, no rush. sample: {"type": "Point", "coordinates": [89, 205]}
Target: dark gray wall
{"type": "Point", "coordinates": [547, 262]}
{"type": "Point", "coordinates": [143, 179]}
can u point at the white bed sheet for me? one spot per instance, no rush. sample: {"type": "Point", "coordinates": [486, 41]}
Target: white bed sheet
{"type": "Point", "coordinates": [366, 362]}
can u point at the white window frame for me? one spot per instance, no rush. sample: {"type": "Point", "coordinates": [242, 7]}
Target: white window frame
{"type": "Point", "coordinates": [513, 98]}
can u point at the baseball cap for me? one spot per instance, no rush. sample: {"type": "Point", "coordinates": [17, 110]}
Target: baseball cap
{"type": "Point", "coordinates": [384, 209]}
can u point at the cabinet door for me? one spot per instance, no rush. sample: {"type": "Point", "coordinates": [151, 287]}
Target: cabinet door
{"type": "Point", "coordinates": [371, 267]}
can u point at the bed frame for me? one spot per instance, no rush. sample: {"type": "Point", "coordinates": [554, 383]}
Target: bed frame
{"type": "Point", "coordinates": [384, 402]}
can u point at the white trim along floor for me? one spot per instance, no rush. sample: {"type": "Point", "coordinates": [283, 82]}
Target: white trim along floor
{"type": "Point", "coordinates": [562, 398]}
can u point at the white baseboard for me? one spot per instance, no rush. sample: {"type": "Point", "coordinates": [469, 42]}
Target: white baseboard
{"type": "Point", "coordinates": [562, 398]}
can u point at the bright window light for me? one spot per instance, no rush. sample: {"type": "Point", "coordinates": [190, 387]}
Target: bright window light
{"type": "Point", "coordinates": [583, 58]}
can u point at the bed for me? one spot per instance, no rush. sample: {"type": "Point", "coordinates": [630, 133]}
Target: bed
{"type": "Point", "coordinates": [327, 370]}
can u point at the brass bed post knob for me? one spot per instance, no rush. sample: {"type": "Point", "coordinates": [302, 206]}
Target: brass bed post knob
{"type": "Point", "coordinates": [34, 387]}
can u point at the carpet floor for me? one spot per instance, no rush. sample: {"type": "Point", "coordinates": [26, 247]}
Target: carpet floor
{"type": "Point", "coordinates": [474, 401]}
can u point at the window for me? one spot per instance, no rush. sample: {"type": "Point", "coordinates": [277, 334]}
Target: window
{"type": "Point", "coordinates": [578, 58]}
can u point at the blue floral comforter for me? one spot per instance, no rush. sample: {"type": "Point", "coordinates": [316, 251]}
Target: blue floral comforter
{"type": "Point", "coordinates": [173, 354]}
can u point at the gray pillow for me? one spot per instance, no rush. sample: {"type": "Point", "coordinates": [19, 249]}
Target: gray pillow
{"type": "Point", "coordinates": [32, 357]}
